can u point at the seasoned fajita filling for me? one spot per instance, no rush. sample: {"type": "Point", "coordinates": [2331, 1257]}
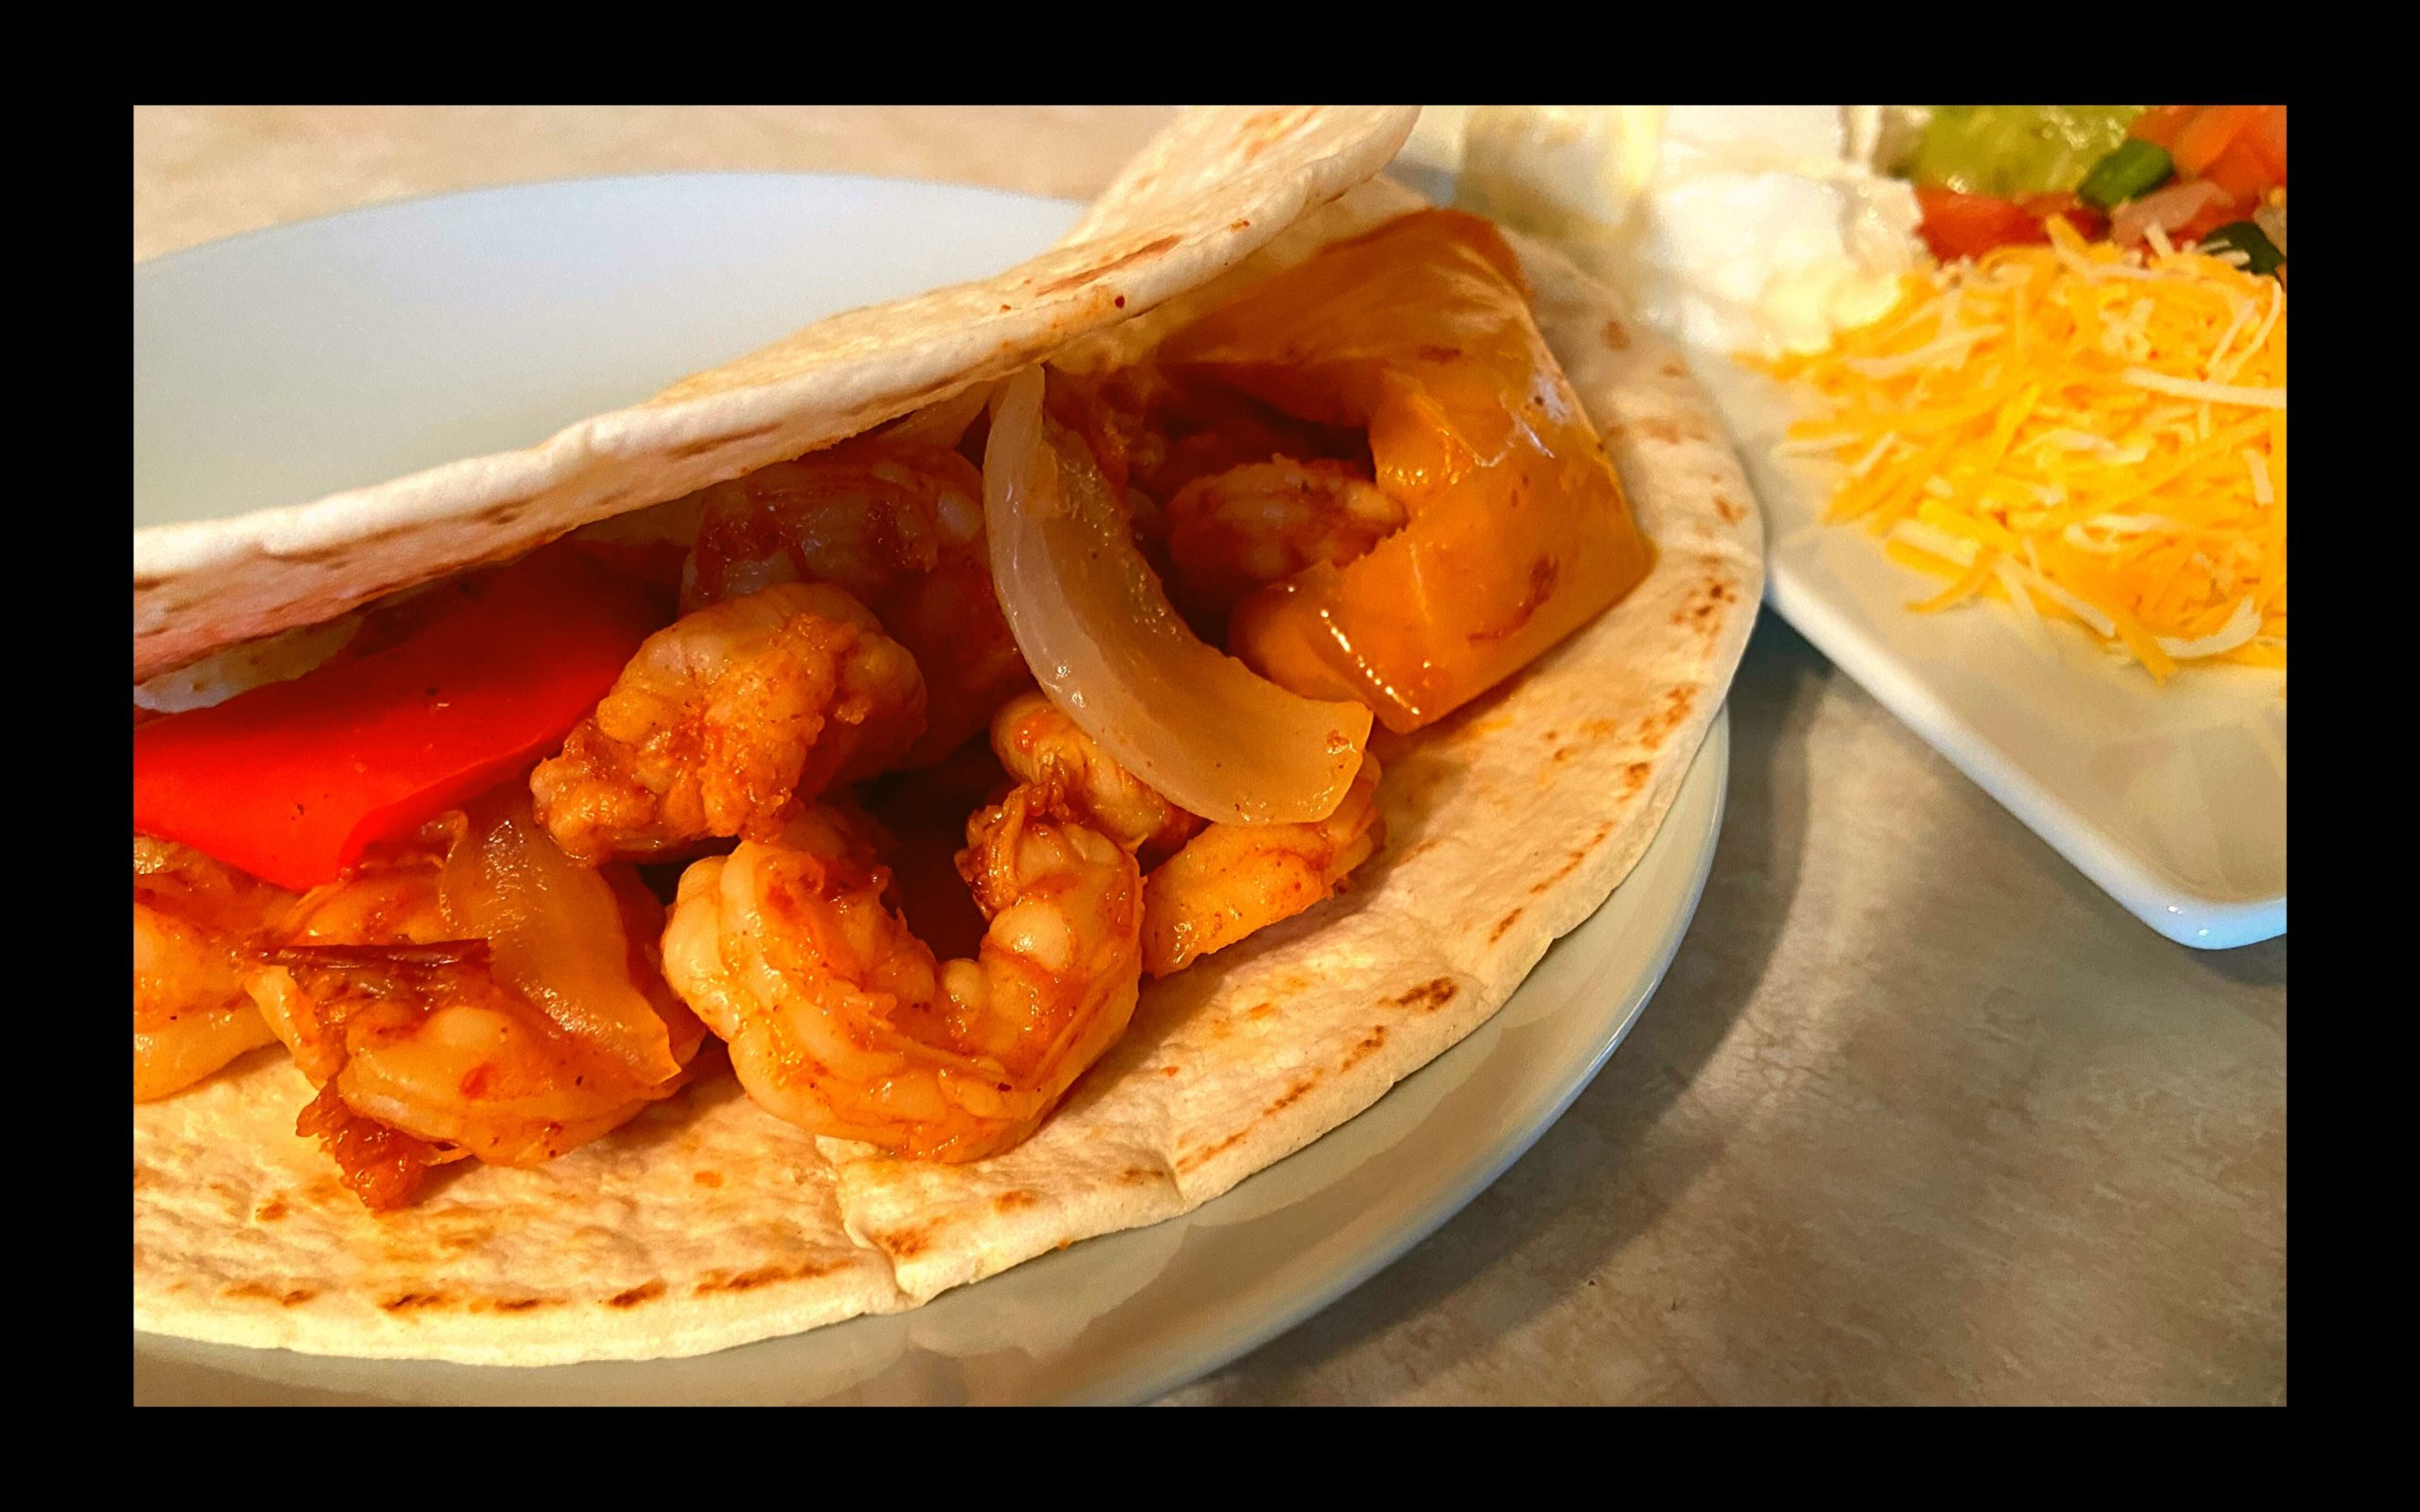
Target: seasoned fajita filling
{"type": "Point", "coordinates": [898, 769]}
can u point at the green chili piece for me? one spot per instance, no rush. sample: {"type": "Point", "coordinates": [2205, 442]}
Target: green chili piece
{"type": "Point", "coordinates": [2261, 255]}
{"type": "Point", "coordinates": [2133, 170]}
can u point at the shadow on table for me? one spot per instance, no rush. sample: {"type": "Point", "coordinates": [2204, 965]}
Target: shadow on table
{"type": "Point", "coordinates": [1746, 898]}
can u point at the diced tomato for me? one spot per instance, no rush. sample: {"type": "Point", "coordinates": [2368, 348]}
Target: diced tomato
{"type": "Point", "coordinates": [1958, 225]}
{"type": "Point", "coordinates": [290, 781]}
{"type": "Point", "coordinates": [2255, 160]}
{"type": "Point", "coordinates": [2266, 137]}
{"type": "Point", "coordinates": [2090, 221]}
{"type": "Point", "coordinates": [2208, 220]}
{"type": "Point", "coordinates": [2238, 171]}
{"type": "Point", "coordinates": [2162, 123]}
{"type": "Point", "coordinates": [2208, 135]}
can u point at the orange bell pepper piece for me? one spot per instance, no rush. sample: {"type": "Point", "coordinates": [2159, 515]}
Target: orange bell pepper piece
{"type": "Point", "coordinates": [1518, 532]}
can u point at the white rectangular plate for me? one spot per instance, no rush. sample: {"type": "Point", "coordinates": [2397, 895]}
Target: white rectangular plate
{"type": "Point", "coordinates": [2172, 798]}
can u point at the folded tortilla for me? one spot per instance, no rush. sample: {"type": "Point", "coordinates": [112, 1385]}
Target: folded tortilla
{"type": "Point", "coordinates": [706, 1223]}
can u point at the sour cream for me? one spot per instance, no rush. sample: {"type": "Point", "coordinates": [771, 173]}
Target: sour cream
{"type": "Point", "coordinates": [1758, 228]}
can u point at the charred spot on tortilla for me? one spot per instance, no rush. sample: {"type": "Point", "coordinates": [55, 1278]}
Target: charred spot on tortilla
{"type": "Point", "coordinates": [1294, 1094]}
{"type": "Point", "coordinates": [749, 1280]}
{"type": "Point", "coordinates": [1429, 995]}
{"type": "Point", "coordinates": [1101, 270]}
{"type": "Point", "coordinates": [316, 556]}
{"type": "Point", "coordinates": [523, 1304]}
{"type": "Point", "coordinates": [905, 1244]}
{"type": "Point", "coordinates": [710, 443]}
{"type": "Point", "coordinates": [1195, 1159]}
{"type": "Point", "coordinates": [283, 1296]}
{"type": "Point", "coordinates": [1659, 723]}
{"type": "Point", "coordinates": [1368, 1045]}
{"type": "Point", "coordinates": [507, 511]}
{"type": "Point", "coordinates": [1264, 131]}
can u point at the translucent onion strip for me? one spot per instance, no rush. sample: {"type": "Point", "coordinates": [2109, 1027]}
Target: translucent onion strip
{"type": "Point", "coordinates": [1096, 628]}
{"type": "Point", "coordinates": [554, 933]}
{"type": "Point", "coordinates": [943, 421]}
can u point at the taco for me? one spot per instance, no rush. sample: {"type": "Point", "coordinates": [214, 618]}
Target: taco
{"type": "Point", "coordinates": [981, 773]}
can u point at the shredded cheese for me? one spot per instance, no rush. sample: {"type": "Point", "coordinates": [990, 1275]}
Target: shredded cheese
{"type": "Point", "coordinates": [2210, 393]}
{"type": "Point", "coordinates": [2086, 434]}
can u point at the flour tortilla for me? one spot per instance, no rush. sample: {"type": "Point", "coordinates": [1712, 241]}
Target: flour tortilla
{"type": "Point", "coordinates": [1206, 193]}
{"type": "Point", "coordinates": [706, 1223]}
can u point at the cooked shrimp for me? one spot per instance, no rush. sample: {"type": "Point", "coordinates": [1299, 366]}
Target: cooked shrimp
{"type": "Point", "coordinates": [729, 721]}
{"type": "Point", "coordinates": [196, 922]}
{"type": "Point", "coordinates": [1039, 744]}
{"type": "Point", "coordinates": [901, 526]}
{"type": "Point", "coordinates": [1224, 881]}
{"type": "Point", "coordinates": [1232, 879]}
{"type": "Point", "coordinates": [1235, 531]}
{"type": "Point", "coordinates": [422, 1052]}
{"type": "Point", "coordinates": [1154, 431]}
{"type": "Point", "coordinates": [843, 1022]}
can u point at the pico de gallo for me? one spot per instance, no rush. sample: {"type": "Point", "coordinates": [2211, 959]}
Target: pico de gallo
{"type": "Point", "coordinates": [2213, 175]}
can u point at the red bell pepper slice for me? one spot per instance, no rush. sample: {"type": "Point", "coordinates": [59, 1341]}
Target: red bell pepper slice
{"type": "Point", "coordinates": [290, 781]}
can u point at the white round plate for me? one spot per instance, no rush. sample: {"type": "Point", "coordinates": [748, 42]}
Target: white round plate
{"type": "Point", "coordinates": [280, 366]}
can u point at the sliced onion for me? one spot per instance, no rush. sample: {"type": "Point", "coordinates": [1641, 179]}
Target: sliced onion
{"type": "Point", "coordinates": [1096, 628]}
{"type": "Point", "coordinates": [943, 421]}
{"type": "Point", "coordinates": [2271, 221]}
{"type": "Point", "coordinates": [554, 933]}
{"type": "Point", "coordinates": [2167, 209]}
